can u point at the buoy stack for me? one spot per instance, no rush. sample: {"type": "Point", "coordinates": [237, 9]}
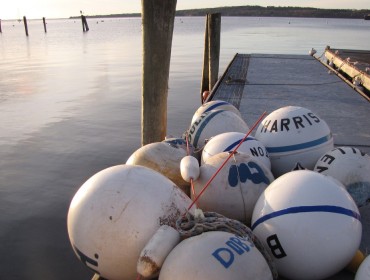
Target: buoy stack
{"type": "Point", "coordinates": [298, 194]}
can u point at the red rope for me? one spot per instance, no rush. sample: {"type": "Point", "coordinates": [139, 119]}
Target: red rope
{"type": "Point", "coordinates": [223, 164]}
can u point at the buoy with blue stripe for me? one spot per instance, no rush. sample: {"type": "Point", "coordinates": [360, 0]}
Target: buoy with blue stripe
{"type": "Point", "coordinates": [116, 212]}
{"type": "Point", "coordinates": [294, 134]}
{"type": "Point", "coordinates": [351, 167]}
{"type": "Point", "coordinates": [226, 142]}
{"type": "Point", "coordinates": [310, 223]}
{"type": "Point", "coordinates": [236, 188]}
{"type": "Point", "coordinates": [215, 105]}
{"type": "Point", "coordinates": [212, 123]}
{"type": "Point", "coordinates": [215, 255]}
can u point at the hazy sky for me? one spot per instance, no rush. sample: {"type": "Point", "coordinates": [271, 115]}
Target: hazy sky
{"type": "Point", "coordinates": [13, 9]}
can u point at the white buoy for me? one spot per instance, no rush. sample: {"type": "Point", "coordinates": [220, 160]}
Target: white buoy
{"type": "Point", "coordinates": [310, 223]}
{"type": "Point", "coordinates": [212, 123]}
{"type": "Point", "coordinates": [164, 158]}
{"type": "Point", "coordinates": [189, 167]}
{"type": "Point", "coordinates": [351, 167]}
{"type": "Point", "coordinates": [215, 255]}
{"type": "Point", "coordinates": [116, 212]}
{"type": "Point", "coordinates": [236, 188]}
{"type": "Point", "coordinates": [294, 134]}
{"type": "Point", "coordinates": [156, 250]}
{"type": "Point", "coordinates": [215, 105]}
{"type": "Point", "coordinates": [228, 141]}
{"type": "Point", "coordinates": [363, 272]}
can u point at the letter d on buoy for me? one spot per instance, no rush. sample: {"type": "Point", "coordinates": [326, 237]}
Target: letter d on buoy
{"type": "Point", "coordinates": [224, 256]}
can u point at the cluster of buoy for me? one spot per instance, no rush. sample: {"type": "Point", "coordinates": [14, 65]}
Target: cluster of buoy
{"type": "Point", "coordinates": [298, 194]}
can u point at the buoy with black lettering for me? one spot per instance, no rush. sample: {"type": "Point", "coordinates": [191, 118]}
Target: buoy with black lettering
{"type": "Point", "coordinates": [115, 213]}
{"type": "Point", "coordinates": [352, 168]}
{"type": "Point", "coordinates": [215, 105]}
{"type": "Point", "coordinates": [310, 223]}
{"type": "Point", "coordinates": [215, 255]}
{"type": "Point", "coordinates": [156, 250]}
{"type": "Point", "coordinates": [228, 141]}
{"type": "Point", "coordinates": [189, 167]}
{"type": "Point", "coordinates": [164, 158]}
{"type": "Point", "coordinates": [363, 272]}
{"type": "Point", "coordinates": [212, 123]}
{"type": "Point", "coordinates": [236, 188]}
{"type": "Point", "coordinates": [294, 134]}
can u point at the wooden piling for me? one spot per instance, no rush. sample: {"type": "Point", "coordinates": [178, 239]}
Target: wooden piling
{"type": "Point", "coordinates": [1, 31]}
{"type": "Point", "coordinates": [25, 25]}
{"type": "Point", "coordinates": [44, 22]}
{"type": "Point", "coordinates": [158, 18]}
{"type": "Point", "coordinates": [211, 52]}
{"type": "Point", "coordinates": [85, 26]}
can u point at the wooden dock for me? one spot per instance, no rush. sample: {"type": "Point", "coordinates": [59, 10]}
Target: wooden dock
{"type": "Point", "coordinates": [354, 64]}
{"type": "Point", "coordinates": [255, 83]}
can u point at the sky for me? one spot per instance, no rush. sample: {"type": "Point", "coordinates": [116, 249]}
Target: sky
{"type": "Point", "coordinates": [33, 9]}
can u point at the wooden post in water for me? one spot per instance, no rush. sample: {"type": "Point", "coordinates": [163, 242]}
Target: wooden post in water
{"type": "Point", "coordinates": [85, 27]}
{"type": "Point", "coordinates": [43, 20]}
{"type": "Point", "coordinates": [25, 25]}
{"type": "Point", "coordinates": [1, 31]}
{"type": "Point", "coordinates": [158, 18]}
{"type": "Point", "coordinates": [211, 52]}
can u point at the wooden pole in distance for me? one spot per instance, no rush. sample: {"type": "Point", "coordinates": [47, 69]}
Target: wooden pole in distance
{"type": "Point", "coordinates": [205, 72]}
{"type": "Point", "coordinates": [43, 20]}
{"type": "Point", "coordinates": [1, 31]}
{"type": "Point", "coordinates": [158, 18]}
{"type": "Point", "coordinates": [25, 25]}
{"type": "Point", "coordinates": [214, 38]}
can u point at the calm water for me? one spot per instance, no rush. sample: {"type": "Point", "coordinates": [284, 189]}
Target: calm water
{"type": "Point", "coordinates": [70, 106]}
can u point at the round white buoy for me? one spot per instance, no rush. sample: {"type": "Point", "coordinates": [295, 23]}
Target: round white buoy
{"type": "Point", "coordinates": [310, 223]}
{"type": "Point", "coordinates": [236, 188]}
{"type": "Point", "coordinates": [164, 158]}
{"type": "Point", "coordinates": [156, 250]}
{"type": "Point", "coordinates": [189, 167]}
{"type": "Point", "coordinates": [363, 272]}
{"type": "Point", "coordinates": [212, 123]}
{"type": "Point", "coordinates": [294, 134]}
{"type": "Point", "coordinates": [215, 105]}
{"type": "Point", "coordinates": [227, 142]}
{"type": "Point", "coordinates": [352, 168]}
{"type": "Point", "coordinates": [116, 212]}
{"type": "Point", "coordinates": [215, 255]}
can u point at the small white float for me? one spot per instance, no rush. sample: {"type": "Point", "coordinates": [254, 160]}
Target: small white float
{"type": "Point", "coordinates": [236, 188]}
{"type": "Point", "coordinates": [228, 141]}
{"type": "Point", "coordinates": [116, 212]}
{"type": "Point", "coordinates": [294, 135]}
{"type": "Point", "coordinates": [215, 255]}
{"type": "Point", "coordinates": [310, 223]}
{"type": "Point", "coordinates": [212, 123]}
{"type": "Point", "coordinates": [351, 167]}
{"type": "Point", "coordinates": [164, 158]}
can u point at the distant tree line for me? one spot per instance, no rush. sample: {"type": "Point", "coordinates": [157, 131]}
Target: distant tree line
{"type": "Point", "coordinates": [258, 11]}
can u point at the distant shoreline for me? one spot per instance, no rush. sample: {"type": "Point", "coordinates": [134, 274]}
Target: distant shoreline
{"type": "Point", "coordinates": [258, 11]}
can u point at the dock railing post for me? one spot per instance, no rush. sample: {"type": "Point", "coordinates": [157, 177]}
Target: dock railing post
{"type": "Point", "coordinates": [211, 57]}
{"type": "Point", "coordinates": [44, 22]}
{"type": "Point", "coordinates": [158, 18]}
{"type": "Point", "coordinates": [25, 25]}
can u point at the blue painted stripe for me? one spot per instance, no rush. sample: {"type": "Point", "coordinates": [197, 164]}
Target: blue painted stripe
{"type": "Point", "coordinates": [301, 146]}
{"type": "Point", "coordinates": [236, 143]}
{"type": "Point", "coordinates": [305, 209]}
{"type": "Point", "coordinates": [205, 121]}
{"type": "Point", "coordinates": [216, 105]}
